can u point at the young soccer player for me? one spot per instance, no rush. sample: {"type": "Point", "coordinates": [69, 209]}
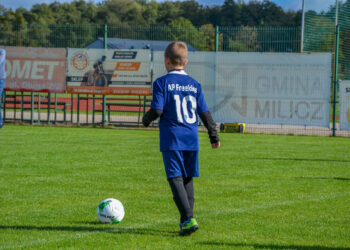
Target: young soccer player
{"type": "Point", "coordinates": [178, 100]}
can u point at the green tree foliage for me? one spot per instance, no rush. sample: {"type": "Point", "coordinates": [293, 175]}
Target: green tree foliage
{"type": "Point", "coordinates": [320, 36]}
{"type": "Point", "coordinates": [344, 22]}
{"type": "Point", "coordinates": [78, 23]}
{"type": "Point", "coordinates": [230, 14]}
{"type": "Point", "coordinates": [182, 29]}
{"type": "Point", "coordinates": [151, 12]}
{"type": "Point", "coordinates": [208, 33]}
{"type": "Point", "coordinates": [167, 12]}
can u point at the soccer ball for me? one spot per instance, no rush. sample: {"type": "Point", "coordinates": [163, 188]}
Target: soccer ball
{"type": "Point", "coordinates": [110, 211]}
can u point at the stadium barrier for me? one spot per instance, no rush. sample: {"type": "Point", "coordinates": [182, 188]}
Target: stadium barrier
{"type": "Point", "coordinates": [289, 94]}
{"type": "Point", "coordinates": [231, 107]}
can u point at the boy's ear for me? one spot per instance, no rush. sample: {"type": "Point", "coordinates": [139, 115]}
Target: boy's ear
{"type": "Point", "coordinates": [186, 61]}
{"type": "Point", "coordinates": [167, 60]}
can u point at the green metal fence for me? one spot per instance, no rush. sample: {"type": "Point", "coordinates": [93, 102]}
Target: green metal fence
{"type": "Point", "coordinates": [319, 36]}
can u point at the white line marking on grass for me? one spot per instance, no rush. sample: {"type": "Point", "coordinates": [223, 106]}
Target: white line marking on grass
{"type": "Point", "coordinates": [278, 204]}
{"type": "Point", "coordinates": [37, 242]}
{"type": "Point", "coordinates": [138, 226]}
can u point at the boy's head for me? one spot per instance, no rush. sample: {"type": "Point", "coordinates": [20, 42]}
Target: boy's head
{"type": "Point", "coordinates": [175, 55]}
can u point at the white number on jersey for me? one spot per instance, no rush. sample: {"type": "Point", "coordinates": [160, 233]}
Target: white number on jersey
{"type": "Point", "coordinates": [189, 119]}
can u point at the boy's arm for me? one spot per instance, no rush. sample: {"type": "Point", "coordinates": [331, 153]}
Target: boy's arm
{"type": "Point", "coordinates": [150, 116]}
{"type": "Point", "coordinates": [209, 123]}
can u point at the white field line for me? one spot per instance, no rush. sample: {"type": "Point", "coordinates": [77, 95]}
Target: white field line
{"type": "Point", "coordinates": [138, 226]}
{"type": "Point", "coordinates": [279, 204]}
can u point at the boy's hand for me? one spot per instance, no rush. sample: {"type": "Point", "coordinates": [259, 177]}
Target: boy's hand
{"type": "Point", "coordinates": [216, 145]}
{"type": "Point", "coordinates": [145, 122]}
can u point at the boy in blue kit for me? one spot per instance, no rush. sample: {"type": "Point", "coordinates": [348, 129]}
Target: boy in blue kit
{"type": "Point", "coordinates": [178, 100]}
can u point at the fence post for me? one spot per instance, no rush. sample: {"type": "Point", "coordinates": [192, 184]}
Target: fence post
{"type": "Point", "coordinates": [39, 110]}
{"type": "Point", "coordinates": [93, 109]}
{"type": "Point", "coordinates": [22, 101]}
{"type": "Point", "coordinates": [216, 38]}
{"type": "Point", "coordinates": [78, 109]}
{"type": "Point", "coordinates": [335, 84]}
{"type": "Point", "coordinates": [55, 108]}
{"type": "Point", "coordinates": [104, 96]}
{"type": "Point", "coordinates": [32, 108]}
{"type": "Point", "coordinates": [87, 108]}
{"type": "Point", "coordinates": [105, 37]}
{"type": "Point", "coordinates": [15, 107]}
{"type": "Point", "coordinates": [71, 108]}
{"type": "Point", "coordinates": [302, 27]}
{"type": "Point", "coordinates": [48, 107]}
{"type": "Point", "coordinates": [3, 102]}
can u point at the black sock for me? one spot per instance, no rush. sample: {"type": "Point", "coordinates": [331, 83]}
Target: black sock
{"type": "Point", "coordinates": [188, 183]}
{"type": "Point", "coordinates": [181, 198]}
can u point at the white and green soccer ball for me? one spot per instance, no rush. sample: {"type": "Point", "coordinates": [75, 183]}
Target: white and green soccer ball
{"type": "Point", "coordinates": [110, 211]}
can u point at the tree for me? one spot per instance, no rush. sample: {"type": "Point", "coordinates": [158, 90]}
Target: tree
{"type": "Point", "coordinates": [182, 29]}
{"type": "Point", "coordinates": [150, 12]}
{"type": "Point", "coordinates": [245, 39]}
{"type": "Point", "coordinates": [167, 12]}
{"type": "Point", "coordinates": [208, 31]}
{"type": "Point", "coordinates": [230, 14]}
{"type": "Point", "coordinates": [193, 11]}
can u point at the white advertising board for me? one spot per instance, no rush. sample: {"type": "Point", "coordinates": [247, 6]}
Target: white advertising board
{"type": "Point", "coordinates": [109, 71]}
{"type": "Point", "coordinates": [273, 88]}
{"type": "Point", "coordinates": [344, 105]}
{"type": "Point", "coordinates": [262, 88]}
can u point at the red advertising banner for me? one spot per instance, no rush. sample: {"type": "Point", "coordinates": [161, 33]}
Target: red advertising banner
{"type": "Point", "coordinates": [35, 69]}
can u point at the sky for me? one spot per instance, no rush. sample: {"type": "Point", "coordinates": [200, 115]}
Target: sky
{"type": "Point", "coordinates": [317, 5]}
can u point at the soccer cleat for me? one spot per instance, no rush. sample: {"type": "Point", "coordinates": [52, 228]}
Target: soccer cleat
{"type": "Point", "coordinates": [188, 227]}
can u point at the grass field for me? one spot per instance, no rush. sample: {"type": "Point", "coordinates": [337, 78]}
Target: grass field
{"type": "Point", "coordinates": [256, 192]}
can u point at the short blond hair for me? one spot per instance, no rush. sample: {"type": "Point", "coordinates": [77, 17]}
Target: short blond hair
{"type": "Point", "coordinates": [177, 53]}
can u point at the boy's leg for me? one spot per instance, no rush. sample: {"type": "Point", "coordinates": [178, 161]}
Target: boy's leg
{"type": "Point", "coordinates": [188, 183]}
{"type": "Point", "coordinates": [180, 197]}
{"type": "Point", "coordinates": [191, 168]}
{"type": "Point", "coordinates": [176, 166]}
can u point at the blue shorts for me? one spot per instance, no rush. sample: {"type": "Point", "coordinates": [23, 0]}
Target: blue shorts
{"type": "Point", "coordinates": [181, 163]}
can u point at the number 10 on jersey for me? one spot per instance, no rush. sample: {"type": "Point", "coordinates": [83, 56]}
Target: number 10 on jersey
{"type": "Point", "coordinates": [183, 105]}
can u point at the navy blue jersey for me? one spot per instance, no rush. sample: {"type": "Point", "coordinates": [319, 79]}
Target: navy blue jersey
{"type": "Point", "coordinates": [181, 99]}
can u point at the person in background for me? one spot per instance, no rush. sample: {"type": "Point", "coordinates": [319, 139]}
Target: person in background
{"type": "Point", "coordinates": [2, 79]}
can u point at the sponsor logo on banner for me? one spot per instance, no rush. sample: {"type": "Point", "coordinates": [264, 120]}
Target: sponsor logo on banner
{"type": "Point", "coordinates": [111, 71]}
{"type": "Point", "coordinates": [35, 69]}
{"type": "Point", "coordinates": [283, 89]}
{"type": "Point", "coordinates": [124, 54]}
{"type": "Point", "coordinates": [80, 60]}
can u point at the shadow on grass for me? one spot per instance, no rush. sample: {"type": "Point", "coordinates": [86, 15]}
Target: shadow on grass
{"type": "Point", "coordinates": [113, 229]}
{"type": "Point", "coordinates": [300, 159]}
{"type": "Point", "coordinates": [216, 244]}
{"type": "Point", "coordinates": [324, 178]}
{"type": "Point", "coordinates": [88, 222]}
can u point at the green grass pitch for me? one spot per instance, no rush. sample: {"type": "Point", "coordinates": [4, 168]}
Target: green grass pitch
{"type": "Point", "coordinates": [256, 192]}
